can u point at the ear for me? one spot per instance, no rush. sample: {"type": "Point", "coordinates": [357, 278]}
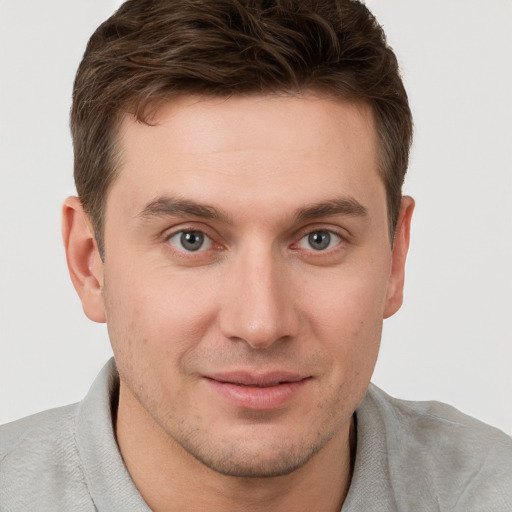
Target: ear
{"type": "Point", "coordinates": [395, 292]}
{"type": "Point", "coordinates": [84, 262]}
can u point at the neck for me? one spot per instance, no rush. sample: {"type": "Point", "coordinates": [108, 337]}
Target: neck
{"type": "Point", "coordinates": [170, 479]}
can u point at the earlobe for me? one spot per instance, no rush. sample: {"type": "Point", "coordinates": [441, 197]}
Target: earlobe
{"type": "Point", "coordinates": [399, 255]}
{"type": "Point", "coordinates": [84, 262]}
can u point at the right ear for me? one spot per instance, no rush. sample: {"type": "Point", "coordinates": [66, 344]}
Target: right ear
{"type": "Point", "coordinates": [83, 258]}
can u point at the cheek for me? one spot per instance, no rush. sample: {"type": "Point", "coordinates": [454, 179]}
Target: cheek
{"type": "Point", "coordinates": [155, 326]}
{"type": "Point", "coordinates": [348, 316]}
{"type": "Point", "coordinates": [153, 315]}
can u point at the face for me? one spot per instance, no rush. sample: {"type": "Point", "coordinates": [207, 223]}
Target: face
{"type": "Point", "coordinates": [247, 272]}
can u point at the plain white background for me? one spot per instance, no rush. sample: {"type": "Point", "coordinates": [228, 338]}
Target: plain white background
{"type": "Point", "coordinates": [452, 340]}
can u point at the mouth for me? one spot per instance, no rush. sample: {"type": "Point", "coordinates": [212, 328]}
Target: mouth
{"type": "Point", "coordinates": [257, 391]}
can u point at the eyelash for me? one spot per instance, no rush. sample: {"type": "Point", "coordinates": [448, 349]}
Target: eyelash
{"type": "Point", "coordinates": [184, 233]}
{"type": "Point", "coordinates": [177, 247]}
{"type": "Point", "coordinates": [329, 234]}
{"type": "Point", "coordinates": [339, 240]}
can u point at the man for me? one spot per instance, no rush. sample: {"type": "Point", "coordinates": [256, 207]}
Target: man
{"type": "Point", "coordinates": [240, 228]}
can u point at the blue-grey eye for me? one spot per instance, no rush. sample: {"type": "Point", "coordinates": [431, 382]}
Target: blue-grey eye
{"type": "Point", "coordinates": [190, 241]}
{"type": "Point", "coordinates": [319, 240]}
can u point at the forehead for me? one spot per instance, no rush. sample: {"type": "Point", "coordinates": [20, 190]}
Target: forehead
{"type": "Point", "coordinates": [257, 148]}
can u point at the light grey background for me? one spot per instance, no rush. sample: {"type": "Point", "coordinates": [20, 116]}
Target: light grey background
{"type": "Point", "coordinates": [452, 340]}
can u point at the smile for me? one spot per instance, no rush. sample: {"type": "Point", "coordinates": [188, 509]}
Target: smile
{"type": "Point", "coordinates": [257, 392]}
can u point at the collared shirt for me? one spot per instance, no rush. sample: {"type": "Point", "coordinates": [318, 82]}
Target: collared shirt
{"type": "Point", "coordinates": [411, 456]}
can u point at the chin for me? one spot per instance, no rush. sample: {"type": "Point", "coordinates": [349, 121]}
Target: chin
{"type": "Point", "coordinates": [248, 459]}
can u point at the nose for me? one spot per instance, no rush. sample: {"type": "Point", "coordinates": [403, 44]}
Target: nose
{"type": "Point", "coordinates": [258, 305]}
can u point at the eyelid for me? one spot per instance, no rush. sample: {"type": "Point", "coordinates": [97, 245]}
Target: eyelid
{"type": "Point", "coordinates": [199, 227]}
{"type": "Point", "coordinates": [330, 228]}
{"type": "Point", "coordinates": [331, 233]}
{"type": "Point", "coordinates": [214, 248]}
{"type": "Point", "coordinates": [207, 242]}
{"type": "Point", "coordinates": [321, 255]}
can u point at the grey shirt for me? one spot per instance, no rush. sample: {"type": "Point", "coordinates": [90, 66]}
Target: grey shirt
{"type": "Point", "coordinates": [411, 456]}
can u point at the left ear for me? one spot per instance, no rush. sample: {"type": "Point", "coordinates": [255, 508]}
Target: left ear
{"type": "Point", "coordinates": [395, 292]}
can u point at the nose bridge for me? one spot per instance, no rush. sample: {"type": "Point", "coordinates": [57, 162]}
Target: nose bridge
{"type": "Point", "coordinates": [258, 307]}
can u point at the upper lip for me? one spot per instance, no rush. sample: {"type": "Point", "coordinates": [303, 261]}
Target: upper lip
{"type": "Point", "coordinates": [244, 378]}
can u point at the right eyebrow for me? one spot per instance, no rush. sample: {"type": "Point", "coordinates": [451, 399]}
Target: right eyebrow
{"type": "Point", "coordinates": [165, 206]}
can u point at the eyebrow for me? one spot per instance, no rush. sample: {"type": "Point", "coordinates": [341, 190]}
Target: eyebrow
{"type": "Point", "coordinates": [346, 206]}
{"type": "Point", "coordinates": [170, 206]}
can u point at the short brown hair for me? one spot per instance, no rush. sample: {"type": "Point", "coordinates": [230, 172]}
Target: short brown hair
{"type": "Point", "coordinates": [152, 50]}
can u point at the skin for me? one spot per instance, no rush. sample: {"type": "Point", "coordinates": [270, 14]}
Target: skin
{"type": "Point", "coordinates": [257, 297]}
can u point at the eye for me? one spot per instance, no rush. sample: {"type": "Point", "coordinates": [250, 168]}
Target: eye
{"type": "Point", "coordinates": [190, 241]}
{"type": "Point", "coordinates": [319, 240]}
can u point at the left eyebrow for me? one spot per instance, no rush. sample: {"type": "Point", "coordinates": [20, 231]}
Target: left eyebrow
{"type": "Point", "coordinates": [346, 206]}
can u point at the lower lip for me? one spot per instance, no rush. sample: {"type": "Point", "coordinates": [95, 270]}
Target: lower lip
{"type": "Point", "coordinates": [258, 398]}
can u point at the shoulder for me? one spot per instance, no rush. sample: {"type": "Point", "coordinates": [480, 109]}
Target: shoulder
{"type": "Point", "coordinates": [437, 424]}
{"type": "Point", "coordinates": [464, 463]}
{"type": "Point", "coordinates": [39, 462]}
{"type": "Point", "coordinates": [51, 425]}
